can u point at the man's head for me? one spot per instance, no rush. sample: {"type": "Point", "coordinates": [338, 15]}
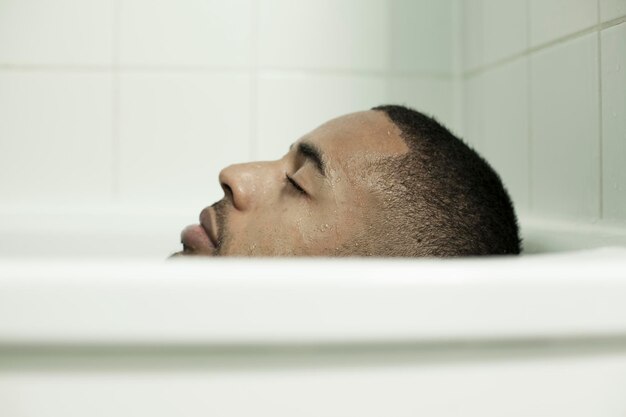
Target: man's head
{"type": "Point", "coordinates": [384, 182]}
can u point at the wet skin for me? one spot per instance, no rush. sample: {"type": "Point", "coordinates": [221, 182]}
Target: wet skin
{"type": "Point", "coordinates": [314, 201]}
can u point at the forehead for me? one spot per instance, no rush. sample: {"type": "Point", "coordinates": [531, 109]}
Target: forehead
{"type": "Point", "coordinates": [357, 138]}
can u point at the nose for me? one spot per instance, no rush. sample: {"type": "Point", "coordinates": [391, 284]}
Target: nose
{"type": "Point", "coordinates": [246, 184]}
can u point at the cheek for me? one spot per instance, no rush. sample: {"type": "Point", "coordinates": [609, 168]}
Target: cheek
{"type": "Point", "coordinates": [281, 230]}
{"type": "Point", "coordinates": [350, 214]}
{"type": "Point", "coordinates": [329, 228]}
{"type": "Point", "coordinates": [298, 227]}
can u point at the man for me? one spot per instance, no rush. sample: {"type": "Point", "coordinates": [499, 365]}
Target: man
{"type": "Point", "coordinates": [385, 182]}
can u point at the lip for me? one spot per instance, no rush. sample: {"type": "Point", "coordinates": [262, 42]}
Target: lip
{"type": "Point", "coordinates": [208, 224]}
{"type": "Point", "coordinates": [201, 239]}
{"type": "Point", "coordinates": [196, 241]}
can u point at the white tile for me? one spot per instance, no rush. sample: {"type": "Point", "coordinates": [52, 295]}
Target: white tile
{"type": "Point", "coordinates": [421, 35]}
{"type": "Point", "coordinates": [56, 32]}
{"type": "Point", "coordinates": [326, 34]}
{"type": "Point", "coordinates": [55, 137]}
{"type": "Point", "coordinates": [612, 9]}
{"type": "Point", "coordinates": [291, 105]}
{"type": "Point", "coordinates": [186, 32]}
{"type": "Point", "coordinates": [472, 33]}
{"type": "Point", "coordinates": [432, 96]}
{"type": "Point", "coordinates": [473, 111]}
{"type": "Point", "coordinates": [552, 19]}
{"type": "Point", "coordinates": [505, 127]}
{"type": "Point", "coordinates": [505, 30]}
{"type": "Point", "coordinates": [493, 30]}
{"type": "Point", "coordinates": [565, 158]}
{"type": "Point", "coordinates": [177, 131]}
{"type": "Point", "coordinates": [614, 121]}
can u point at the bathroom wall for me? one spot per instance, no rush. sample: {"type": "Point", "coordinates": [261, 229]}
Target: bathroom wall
{"type": "Point", "coordinates": [544, 98]}
{"type": "Point", "coordinates": [138, 104]}
{"type": "Point", "coordinates": [133, 106]}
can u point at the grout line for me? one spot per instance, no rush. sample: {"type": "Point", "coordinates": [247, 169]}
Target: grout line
{"type": "Point", "coordinates": [115, 120]}
{"type": "Point", "coordinates": [458, 104]}
{"type": "Point", "coordinates": [389, 55]}
{"type": "Point", "coordinates": [117, 67]}
{"type": "Point", "coordinates": [503, 61]}
{"type": "Point", "coordinates": [189, 69]}
{"type": "Point", "coordinates": [600, 129]}
{"type": "Point", "coordinates": [610, 23]}
{"type": "Point", "coordinates": [529, 117]}
{"type": "Point", "coordinates": [531, 50]}
{"type": "Point", "coordinates": [159, 69]}
{"type": "Point", "coordinates": [192, 69]}
{"type": "Point", "coordinates": [254, 83]}
{"type": "Point", "coordinates": [56, 68]}
{"type": "Point", "coordinates": [353, 72]}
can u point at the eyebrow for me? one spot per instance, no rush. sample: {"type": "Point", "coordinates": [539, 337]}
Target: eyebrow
{"type": "Point", "coordinates": [314, 154]}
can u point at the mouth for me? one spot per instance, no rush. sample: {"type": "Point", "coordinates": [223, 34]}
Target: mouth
{"type": "Point", "coordinates": [208, 222]}
{"type": "Point", "coordinates": [201, 239]}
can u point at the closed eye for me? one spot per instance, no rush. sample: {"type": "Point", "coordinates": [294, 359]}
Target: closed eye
{"type": "Point", "coordinates": [295, 185]}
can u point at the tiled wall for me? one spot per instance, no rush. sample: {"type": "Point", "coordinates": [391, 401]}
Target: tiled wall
{"type": "Point", "coordinates": [138, 102]}
{"type": "Point", "coordinates": [544, 94]}
{"type": "Point", "coordinates": [141, 102]}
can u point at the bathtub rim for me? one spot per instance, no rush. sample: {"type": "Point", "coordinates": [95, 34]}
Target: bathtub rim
{"type": "Point", "coordinates": [277, 302]}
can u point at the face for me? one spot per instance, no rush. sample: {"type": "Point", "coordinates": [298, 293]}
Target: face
{"type": "Point", "coordinates": [317, 200]}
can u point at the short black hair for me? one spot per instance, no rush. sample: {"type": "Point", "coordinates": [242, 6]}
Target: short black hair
{"type": "Point", "coordinates": [441, 196]}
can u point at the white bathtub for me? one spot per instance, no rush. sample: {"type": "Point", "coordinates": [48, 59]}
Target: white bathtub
{"type": "Point", "coordinates": [540, 335]}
